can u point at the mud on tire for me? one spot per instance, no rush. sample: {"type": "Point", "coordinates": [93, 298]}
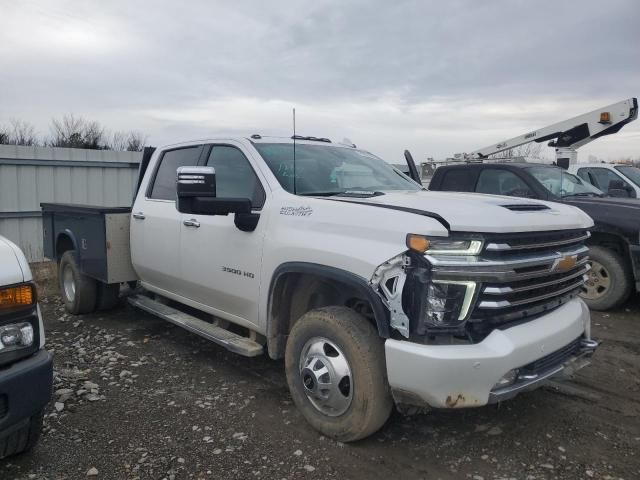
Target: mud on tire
{"type": "Point", "coordinates": [347, 334]}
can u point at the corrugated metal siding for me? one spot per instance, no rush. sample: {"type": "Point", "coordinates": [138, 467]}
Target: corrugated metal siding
{"type": "Point", "coordinates": [32, 175]}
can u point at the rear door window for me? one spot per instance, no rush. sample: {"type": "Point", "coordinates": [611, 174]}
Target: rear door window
{"type": "Point", "coordinates": [457, 180]}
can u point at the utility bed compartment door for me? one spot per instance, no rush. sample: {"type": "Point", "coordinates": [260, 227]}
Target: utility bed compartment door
{"type": "Point", "coordinates": [118, 251]}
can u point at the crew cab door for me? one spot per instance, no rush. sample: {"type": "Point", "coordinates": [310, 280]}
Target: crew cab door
{"type": "Point", "coordinates": [219, 263]}
{"type": "Point", "coordinates": [155, 222]}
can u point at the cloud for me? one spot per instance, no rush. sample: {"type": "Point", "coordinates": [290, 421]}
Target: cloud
{"type": "Point", "coordinates": [438, 77]}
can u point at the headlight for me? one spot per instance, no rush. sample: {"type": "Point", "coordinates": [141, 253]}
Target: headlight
{"type": "Point", "coordinates": [19, 335]}
{"type": "Point", "coordinates": [20, 296]}
{"type": "Point", "coordinates": [443, 246]}
{"type": "Point", "coordinates": [448, 302]}
{"type": "Point", "coordinates": [15, 336]}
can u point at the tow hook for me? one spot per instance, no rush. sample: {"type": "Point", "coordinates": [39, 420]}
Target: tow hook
{"type": "Point", "coordinates": [587, 346]}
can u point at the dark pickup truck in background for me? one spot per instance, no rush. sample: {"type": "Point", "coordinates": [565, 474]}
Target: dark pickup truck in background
{"type": "Point", "coordinates": [615, 239]}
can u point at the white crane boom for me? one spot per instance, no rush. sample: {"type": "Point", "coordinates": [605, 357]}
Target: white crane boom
{"type": "Point", "coordinates": [569, 135]}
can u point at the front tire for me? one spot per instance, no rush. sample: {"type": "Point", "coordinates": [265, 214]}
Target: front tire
{"type": "Point", "coordinates": [78, 291]}
{"type": "Point", "coordinates": [609, 282]}
{"type": "Point", "coordinates": [336, 372]}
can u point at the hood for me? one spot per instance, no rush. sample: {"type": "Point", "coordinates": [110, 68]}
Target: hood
{"type": "Point", "coordinates": [629, 203]}
{"type": "Point", "coordinates": [10, 264]}
{"type": "Point", "coordinates": [474, 212]}
{"type": "Point", "coordinates": [610, 214]}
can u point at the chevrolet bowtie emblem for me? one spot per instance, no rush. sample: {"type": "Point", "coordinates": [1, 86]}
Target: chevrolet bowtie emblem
{"type": "Point", "coordinates": [565, 263]}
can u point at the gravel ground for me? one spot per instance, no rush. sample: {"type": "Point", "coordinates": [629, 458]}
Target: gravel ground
{"type": "Point", "coordinates": [139, 398]}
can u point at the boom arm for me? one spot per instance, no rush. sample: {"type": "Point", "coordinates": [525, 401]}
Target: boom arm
{"type": "Point", "coordinates": [568, 135]}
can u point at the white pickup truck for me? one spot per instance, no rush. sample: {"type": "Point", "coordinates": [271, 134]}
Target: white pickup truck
{"type": "Point", "coordinates": [374, 290]}
{"type": "Point", "coordinates": [26, 368]}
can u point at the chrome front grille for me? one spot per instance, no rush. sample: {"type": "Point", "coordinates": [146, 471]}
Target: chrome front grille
{"type": "Point", "coordinates": [523, 292]}
{"type": "Point", "coordinates": [520, 276]}
{"type": "Point", "coordinates": [537, 241]}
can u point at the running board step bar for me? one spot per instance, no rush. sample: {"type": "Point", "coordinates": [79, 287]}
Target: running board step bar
{"type": "Point", "coordinates": [229, 340]}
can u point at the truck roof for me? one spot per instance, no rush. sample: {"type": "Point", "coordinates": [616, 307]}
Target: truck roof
{"type": "Point", "coordinates": [600, 165]}
{"type": "Point", "coordinates": [502, 165]}
{"type": "Point", "coordinates": [257, 138]}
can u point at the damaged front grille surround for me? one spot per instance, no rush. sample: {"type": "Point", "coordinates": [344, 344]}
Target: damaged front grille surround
{"type": "Point", "coordinates": [388, 281]}
{"type": "Point", "coordinates": [418, 303]}
{"type": "Point", "coordinates": [514, 279]}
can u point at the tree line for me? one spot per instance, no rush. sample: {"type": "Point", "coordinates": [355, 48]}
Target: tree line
{"type": "Point", "coordinates": [72, 132]}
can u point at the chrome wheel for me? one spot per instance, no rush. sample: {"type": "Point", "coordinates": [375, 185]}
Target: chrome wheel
{"type": "Point", "coordinates": [598, 282]}
{"type": "Point", "coordinates": [326, 376]}
{"type": "Point", "coordinates": [68, 283]}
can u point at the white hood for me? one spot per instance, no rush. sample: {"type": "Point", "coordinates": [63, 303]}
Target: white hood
{"type": "Point", "coordinates": [11, 263]}
{"type": "Point", "coordinates": [473, 212]}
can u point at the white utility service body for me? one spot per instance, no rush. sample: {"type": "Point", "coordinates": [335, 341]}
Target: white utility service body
{"type": "Point", "coordinates": [352, 249]}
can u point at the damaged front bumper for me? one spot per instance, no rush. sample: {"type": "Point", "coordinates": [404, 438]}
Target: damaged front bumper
{"type": "Point", "coordinates": [457, 376]}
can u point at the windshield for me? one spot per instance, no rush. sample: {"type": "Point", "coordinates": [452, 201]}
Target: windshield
{"type": "Point", "coordinates": [324, 170]}
{"type": "Point", "coordinates": [632, 173]}
{"type": "Point", "coordinates": [562, 183]}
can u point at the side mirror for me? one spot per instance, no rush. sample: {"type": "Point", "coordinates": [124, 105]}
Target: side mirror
{"type": "Point", "coordinates": [617, 188]}
{"type": "Point", "coordinates": [196, 182]}
{"type": "Point", "coordinates": [196, 191]}
{"type": "Point", "coordinates": [413, 170]}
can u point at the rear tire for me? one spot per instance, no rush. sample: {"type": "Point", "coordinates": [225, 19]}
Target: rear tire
{"type": "Point", "coordinates": [353, 399]}
{"type": "Point", "coordinates": [23, 439]}
{"type": "Point", "coordinates": [609, 282]}
{"type": "Point", "coordinates": [108, 296]}
{"type": "Point", "coordinates": [78, 291]}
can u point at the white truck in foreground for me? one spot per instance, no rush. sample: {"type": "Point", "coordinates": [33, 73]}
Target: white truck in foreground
{"type": "Point", "coordinates": [374, 290]}
{"type": "Point", "coordinates": [26, 368]}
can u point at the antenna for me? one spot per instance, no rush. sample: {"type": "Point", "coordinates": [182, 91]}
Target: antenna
{"type": "Point", "coordinates": [294, 151]}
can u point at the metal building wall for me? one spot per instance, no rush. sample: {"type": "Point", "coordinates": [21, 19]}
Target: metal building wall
{"type": "Point", "coordinates": [32, 175]}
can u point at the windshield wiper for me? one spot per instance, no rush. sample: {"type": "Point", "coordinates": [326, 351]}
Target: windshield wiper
{"type": "Point", "coordinates": [360, 193]}
{"type": "Point", "coordinates": [318, 194]}
{"type": "Point", "coordinates": [347, 193]}
{"type": "Point", "coordinates": [583, 194]}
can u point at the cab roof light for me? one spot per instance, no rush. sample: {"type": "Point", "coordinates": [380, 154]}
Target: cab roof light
{"type": "Point", "coordinates": [605, 118]}
{"type": "Point", "coordinates": [16, 297]}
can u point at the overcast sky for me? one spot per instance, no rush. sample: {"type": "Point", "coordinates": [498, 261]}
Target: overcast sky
{"type": "Point", "coordinates": [433, 76]}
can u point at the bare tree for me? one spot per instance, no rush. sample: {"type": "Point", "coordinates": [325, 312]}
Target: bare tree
{"type": "Point", "coordinates": [18, 133]}
{"type": "Point", "coordinates": [76, 132]}
{"type": "Point", "coordinates": [67, 132]}
{"type": "Point", "coordinates": [132, 141]}
{"type": "Point", "coordinates": [22, 133]}
{"type": "Point", "coordinates": [136, 141]}
{"type": "Point", "coordinates": [93, 136]}
{"type": "Point", "coordinates": [118, 141]}
{"type": "Point", "coordinates": [531, 151]}
{"type": "Point", "coordinates": [4, 135]}
{"type": "Point", "coordinates": [73, 132]}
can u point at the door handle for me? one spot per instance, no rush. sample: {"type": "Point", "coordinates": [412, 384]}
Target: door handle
{"type": "Point", "coordinates": [139, 216]}
{"type": "Point", "coordinates": [192, 223]}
